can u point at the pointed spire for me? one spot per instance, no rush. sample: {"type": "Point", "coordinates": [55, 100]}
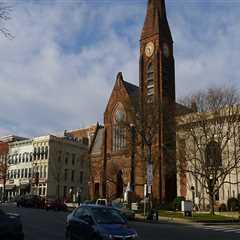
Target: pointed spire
{"type": "Point", "coordinates": [120, 76]}
{"type": "Point", "coordinates": [119, 79]}
{"type": "Point", "coordinates": [156, 20]}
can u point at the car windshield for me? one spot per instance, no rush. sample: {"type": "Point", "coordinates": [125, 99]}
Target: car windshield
{"type": "Point", "coordinates": [101, 202]}
{"type": "Point", "coordinates": [107, 216]}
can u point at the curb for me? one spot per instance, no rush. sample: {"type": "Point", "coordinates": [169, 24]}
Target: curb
{"type": "Point", "coordinates": [164, 220]}
{"type": "Point", "coordinates": [149, 221]}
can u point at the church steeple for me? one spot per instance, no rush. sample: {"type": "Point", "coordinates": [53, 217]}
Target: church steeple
{"type": "Point", "coordinates": [157, 83]}
{"type": "Point", "coordinates": [156, 21]}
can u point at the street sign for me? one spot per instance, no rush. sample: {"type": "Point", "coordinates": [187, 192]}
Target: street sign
{"type": "Point", "coordinates": [149, 174]}
{"type": "Point", "coordinates": [149, 189]}
{"type": "Point", "coordinates": [145, 190]}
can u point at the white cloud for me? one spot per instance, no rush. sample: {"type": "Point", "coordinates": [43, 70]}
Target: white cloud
{"type": "Point", "coordinates": [44, 85]}
{"type": "Point", "coordinates": [59, 70]}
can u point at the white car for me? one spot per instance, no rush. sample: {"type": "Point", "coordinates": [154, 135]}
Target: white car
{"type": "Point", "coordinates": [102, 202]}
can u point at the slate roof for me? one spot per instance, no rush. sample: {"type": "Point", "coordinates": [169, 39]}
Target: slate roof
{"type": "Point", "coordinates": [132, 89]}
{"type": "Point", "coordinates": [98, 143]}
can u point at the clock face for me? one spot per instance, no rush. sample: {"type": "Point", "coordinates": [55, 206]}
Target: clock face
{"type": "Point", "coordinates": [165, 50]}
{"type": "Point", "coordinates": [149, 49]}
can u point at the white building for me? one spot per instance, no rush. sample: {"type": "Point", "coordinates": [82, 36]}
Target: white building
{"type": "Point", "coordinates": [20, 158]}
{"type": "Point", "coordinates": [48, 166]}
{"type": "Point", "coordinates": [60, 167]}
{"type": "Point", "coordinates": [209, 149]}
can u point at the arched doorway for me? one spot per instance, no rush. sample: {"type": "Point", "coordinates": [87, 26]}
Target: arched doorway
{"type": "Point", "coordinates": [119, 186]}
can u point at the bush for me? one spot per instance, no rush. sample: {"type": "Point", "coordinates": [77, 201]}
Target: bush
{"type": "Point", "coordinates": [176, 205]}
{"type": "Point", "coordinates": [223, 207]}
{"type": "Point", "coordinates": [233, 204]}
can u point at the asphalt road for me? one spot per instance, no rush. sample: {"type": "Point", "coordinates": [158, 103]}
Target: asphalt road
{"type": "Point", "coordinates": [43, 225]}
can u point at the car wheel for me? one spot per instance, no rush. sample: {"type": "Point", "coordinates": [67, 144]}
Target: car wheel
{"type": "Point", "coordinates": [69, 235]}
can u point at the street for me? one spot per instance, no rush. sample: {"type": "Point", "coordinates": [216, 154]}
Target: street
{"type": "Point", "coordinates": [50, 225]}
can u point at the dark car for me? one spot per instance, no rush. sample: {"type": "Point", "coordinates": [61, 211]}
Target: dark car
{"type": "Point", "coordinates": [95, 222]}
{"type": "Point", "coordinates": [55, 205]}
{"type": "Point", "coordinates": [31, 201]}
{"type": "Point", "coordinates": [127, 213]}
{"type": "Point", "coordinates": [10, 226]}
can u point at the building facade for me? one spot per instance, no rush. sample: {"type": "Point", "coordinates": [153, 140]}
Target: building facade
{"type": "Point", "coordinates": [208, 153]}
{"type": "Point", "coordinates": [111, 154]}
{"type": "Point", "coordinates": [60, 168]}
{"type": "Point", "coordinates": [48, 166]}
{"type": "Point", "coordinates": [20, 158]}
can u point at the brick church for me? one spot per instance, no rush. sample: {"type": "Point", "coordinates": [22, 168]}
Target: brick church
{"type": "Point", "coordinates": [113, 166]}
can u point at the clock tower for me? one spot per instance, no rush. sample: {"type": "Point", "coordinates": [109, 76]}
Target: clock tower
{"type": "Point", "coordinates": [157, 83]}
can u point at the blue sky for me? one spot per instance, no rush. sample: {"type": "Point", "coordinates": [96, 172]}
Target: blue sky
{"type": "Point", "coordinates": [59, 70]}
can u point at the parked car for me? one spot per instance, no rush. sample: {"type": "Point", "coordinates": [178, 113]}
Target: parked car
{"type": "Point", "coordinates": [31, 201]}
{"type": "Point", "coordinates": [98, 222]}
{"type": "Point", "coordinates": [55, 205]}
{"type": "Point", "coordinates": [10, 226]}
{"type": "Point", "coordinates": [102, 201]}
{"type": "Point", "coordinates": [128, 213]}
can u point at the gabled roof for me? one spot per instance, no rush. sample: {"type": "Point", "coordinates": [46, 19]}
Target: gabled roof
{"type": "Point", "coordinates": [130, 89]}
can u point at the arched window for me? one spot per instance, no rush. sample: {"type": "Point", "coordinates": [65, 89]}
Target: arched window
{"type": "Point", "coordinates": [35, 153]}
{"type": "Point", "coordinates": [150, 80]}
{"type": "Point", "coordinates": [38, 153]}
{"type": "Point", "coordinates": [42, 152]}
{"type": "Point", "coordinates": [41, 172]}
{"type": "Point", "coordinates": [119, 131]}
{"type": "Point", "coordinates": [46, 152]}
{"type": "Point", "coordinates": [213, 154]}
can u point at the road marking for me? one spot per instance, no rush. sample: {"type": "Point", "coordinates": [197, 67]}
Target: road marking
{"type": "Point", "coordinates": [230, 230]}
{"type": "Point", "coordinates": [220, 229]}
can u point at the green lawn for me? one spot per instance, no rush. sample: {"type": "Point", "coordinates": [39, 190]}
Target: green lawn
{"type": "Point", "coordinates": [197, 217]}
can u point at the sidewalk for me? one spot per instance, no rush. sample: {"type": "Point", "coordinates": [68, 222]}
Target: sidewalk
{"type": "Point", "coordinates": [140, 217]}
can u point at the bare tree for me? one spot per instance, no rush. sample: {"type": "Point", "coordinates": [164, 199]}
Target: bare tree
{"type": "Point", "coordinates": [153, 120]}
{"type": "Point", "coordinates": [211, 139]}
{"type": "Point", "coordinates": [145, 117]}
{"type": "Point", "coordinates": [5, 15]}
